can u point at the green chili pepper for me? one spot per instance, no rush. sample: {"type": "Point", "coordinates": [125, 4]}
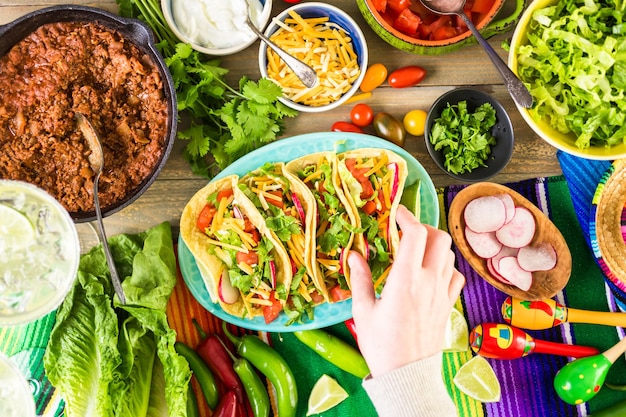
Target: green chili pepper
{"type": "Point", "coordinates": [615, 387]}
{"type": "Point", "coordinates": [334, 350]}
{"type": "Point", "coordinates": [616, 410]}
{"type": "Point", "coordinates": [201, 371]}
{"type": "Point", "coordinates": [273, 366]}
{"type": "Point", "coordinates": [255, 389]}
{"type": "Point", "coordinates": [192, 403]}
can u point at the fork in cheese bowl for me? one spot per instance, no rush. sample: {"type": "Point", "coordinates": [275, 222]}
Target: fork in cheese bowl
{"type": "Point", "coordinates": [329, 41]}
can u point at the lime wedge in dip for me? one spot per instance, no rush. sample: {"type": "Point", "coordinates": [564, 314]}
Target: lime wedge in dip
{"type": "Point", "coordinates": [16, 230]}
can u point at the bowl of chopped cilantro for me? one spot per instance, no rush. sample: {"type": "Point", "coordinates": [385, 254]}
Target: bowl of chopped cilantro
{"type": "Point", "coordinates": [469, 134]}
{"type": "Point", "coordinates": [571, 55]}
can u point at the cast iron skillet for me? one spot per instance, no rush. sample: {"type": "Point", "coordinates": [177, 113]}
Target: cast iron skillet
{"type": "Point", "coordinates": [134, 30]}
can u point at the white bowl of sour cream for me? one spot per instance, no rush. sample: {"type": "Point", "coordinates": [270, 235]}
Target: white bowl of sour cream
{"type": "Point", "coordinates": [216, 27]}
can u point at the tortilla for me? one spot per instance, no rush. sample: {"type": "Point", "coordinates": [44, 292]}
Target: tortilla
{"type": "Point", "coordinates": [288, 213]}
{"type": "Point", "coordinates": [331, 241]}
{"type": "Point", "coordinates": [210, 265]}
{"type": "Point", "coordinates": [353, 190]}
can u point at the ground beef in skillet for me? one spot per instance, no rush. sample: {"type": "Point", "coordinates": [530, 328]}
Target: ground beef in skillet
{"type": "Point", "coordinates": [77, 66]}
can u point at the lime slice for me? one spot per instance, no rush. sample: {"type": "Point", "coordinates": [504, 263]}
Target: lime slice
{"type": "Point", "coordinates": [16, 230]}
{"type": "Point", "coordinates": [477, 379]}
{"type": "Point", "coordinates": [457, 333]}
{"type": "Point", "coordinates": [411, 198]}
{"type": "Point", "coordinates": [326, 394]}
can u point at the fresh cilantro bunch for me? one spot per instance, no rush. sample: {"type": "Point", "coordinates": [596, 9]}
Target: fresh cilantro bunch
{"type": "Point", "coordinates": [464, 138]}
{"type": "Point", "coordinates": [224, 123]}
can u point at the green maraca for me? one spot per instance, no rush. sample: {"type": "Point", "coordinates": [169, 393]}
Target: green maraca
{"type": "Point", "coordinates": [580, 380]}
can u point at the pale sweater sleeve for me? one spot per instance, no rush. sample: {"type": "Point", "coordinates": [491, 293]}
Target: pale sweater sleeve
{"type": "Point", "coordinates": [415, 390]}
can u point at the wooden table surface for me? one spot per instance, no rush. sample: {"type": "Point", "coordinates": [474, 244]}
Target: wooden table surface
{"type": "Point", "coordinates": [468, 66]}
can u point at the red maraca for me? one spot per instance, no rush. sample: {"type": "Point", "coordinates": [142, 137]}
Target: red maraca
{"type": "Point", "coordinates": [501, 341]}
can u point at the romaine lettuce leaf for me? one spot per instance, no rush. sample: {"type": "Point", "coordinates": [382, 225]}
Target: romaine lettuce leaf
{"type": "Point", "coordinates": [100, 355]}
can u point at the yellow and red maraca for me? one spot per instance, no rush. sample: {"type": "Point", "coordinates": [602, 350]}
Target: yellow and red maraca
{"type": "Point", "coordinates": [547, 313]}
{"type": "Point", "coordinates": [501, 341]}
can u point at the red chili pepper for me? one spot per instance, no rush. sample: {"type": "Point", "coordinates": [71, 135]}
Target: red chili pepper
{"type": "Point", "coordinates": [229, 406]}
{"type": "Point", "coordinates": [352, 328]}
{"type": "Point", "coordinates": [213, 352]}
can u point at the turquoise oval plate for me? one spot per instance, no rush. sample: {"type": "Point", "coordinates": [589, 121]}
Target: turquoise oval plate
{"type": "Point", "coordinates": [286, 150]}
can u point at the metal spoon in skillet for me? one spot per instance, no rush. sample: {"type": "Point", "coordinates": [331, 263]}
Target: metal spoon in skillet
{"type": "Point", "coordinates": [96, 160]}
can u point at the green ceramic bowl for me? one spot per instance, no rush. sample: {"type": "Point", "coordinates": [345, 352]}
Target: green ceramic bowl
{"type": "Point", "coordinates": [487, 26]}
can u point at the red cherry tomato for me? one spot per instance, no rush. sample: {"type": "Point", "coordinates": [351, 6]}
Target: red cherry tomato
{"type": "Point", "coordinates": [374, 76]}
{"type": "Point", "coordinates": [291, 1]}
{"type": "Point", "coordinates": [362, 115]}
{"type": "Point", "coordinates": [345, 127]}
{"type": "Point", "coordinates": [406, 76]}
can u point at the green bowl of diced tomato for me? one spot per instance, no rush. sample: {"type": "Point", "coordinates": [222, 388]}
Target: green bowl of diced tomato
{"type": "Point", "coordinates": [409, 26]}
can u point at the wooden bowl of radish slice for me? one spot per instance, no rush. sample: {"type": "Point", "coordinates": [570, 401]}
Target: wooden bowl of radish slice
{"type": "Point", "coordinates": [509, 241]}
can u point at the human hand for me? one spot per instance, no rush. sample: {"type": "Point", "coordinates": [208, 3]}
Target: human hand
{"type": "Point", "coordinates": [408, 321]}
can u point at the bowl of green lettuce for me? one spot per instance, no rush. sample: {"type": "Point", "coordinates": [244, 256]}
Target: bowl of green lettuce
{"type": "Point", "coordinates": [572, 56]}
{"type": "Point", "coordinates": [469, 134]}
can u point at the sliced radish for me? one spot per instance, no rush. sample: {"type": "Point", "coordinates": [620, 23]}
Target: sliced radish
{"type": "Point", "coordinates": [392, 166]}
{"type": "Point", "coordinates": [504, 251]}
{"type": "Point", "coordinates": [273, 273]}
{"type": "Point", "coordinates": [510, 270]}
{"type": "Point", "coordinates": [298, 204]}
{"type": "Point", "coordinates": [485, 214]}
{"type": "Point", "coordinates": [509, 206]}
{"type": "Point", "coordinates": [494, 271]}
{"type": "Point", "coordinates": [342, 253]}
{"type": "Point", "coordinates": [540, 257]}
{"type": "Point", "coordinates": [519, 231]}
{"type": "Point", "coordinates": [237, 214]}
{"type": "Point", "coordinates": [484, 244]}
{"type": "Point", "coordinates": [227, 293]}
{"type": "Point", "coordinates": [294, 267]}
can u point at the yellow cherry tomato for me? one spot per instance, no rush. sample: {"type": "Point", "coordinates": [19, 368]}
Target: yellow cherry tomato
{"type": "Point", "coordinates": [375, 75]}
{"type": "Point", "coordinates": [414, 122]}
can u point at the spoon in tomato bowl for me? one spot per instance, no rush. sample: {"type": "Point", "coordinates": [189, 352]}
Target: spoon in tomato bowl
{"type": "Point", "coordinates": [513, 84]}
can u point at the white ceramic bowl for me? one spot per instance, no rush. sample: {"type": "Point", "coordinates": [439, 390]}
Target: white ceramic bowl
{"type": "Point", "coordinates": [336, 16]}
{"type": "Point", "coordinates": [247, 37]}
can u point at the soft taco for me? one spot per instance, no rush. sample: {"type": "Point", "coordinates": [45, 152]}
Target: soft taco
{"type": "Point", "coordinates": [241, 262]}
{"type": "Point", "coordinates": [372, 180]}
{"type": "Point", "coordinates": [334, 223]}
{"type": "Point", "coordinates": [287, 207]}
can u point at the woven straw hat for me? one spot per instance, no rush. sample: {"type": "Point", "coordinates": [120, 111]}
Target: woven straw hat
{"type": "Point", "coordinates": [609, 218]}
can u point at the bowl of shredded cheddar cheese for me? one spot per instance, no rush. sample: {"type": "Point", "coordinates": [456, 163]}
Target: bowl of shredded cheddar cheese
{"type": "Point", "coordinates": [327, 39]}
